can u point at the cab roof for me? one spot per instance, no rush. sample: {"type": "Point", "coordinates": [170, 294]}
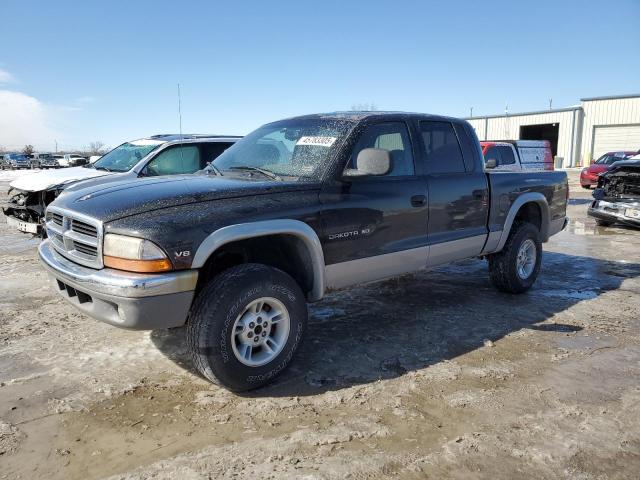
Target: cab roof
{"type": "Point", "coordinates": [170, 137]}
{"type": "Point", "coordinates": [356, 116]}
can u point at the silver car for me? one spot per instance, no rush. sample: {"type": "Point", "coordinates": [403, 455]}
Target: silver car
{"type": "Point", "coordinates": [151, 156]}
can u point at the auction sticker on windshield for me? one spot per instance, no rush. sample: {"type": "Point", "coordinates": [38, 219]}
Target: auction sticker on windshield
{"type": "Point", "coordinates": [320, 141]}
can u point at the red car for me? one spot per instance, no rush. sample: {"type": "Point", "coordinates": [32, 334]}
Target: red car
{"type": "Point", "coordinates": [589, 175]}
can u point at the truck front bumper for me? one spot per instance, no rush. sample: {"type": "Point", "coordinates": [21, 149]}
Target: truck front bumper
{"type": "Point", "coordinates": [136, 301]}
{"type": "Point", "coordinates": [627, 212]}
{"type": "Point", "coordinates": [23, 226]}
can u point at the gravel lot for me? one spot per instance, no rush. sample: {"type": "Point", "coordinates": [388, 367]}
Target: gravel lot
{"type": "Point", "coordinates": [434, 375]}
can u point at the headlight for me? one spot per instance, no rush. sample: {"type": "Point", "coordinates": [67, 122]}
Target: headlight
{"type": "Point", "coordinates": [134, 254]}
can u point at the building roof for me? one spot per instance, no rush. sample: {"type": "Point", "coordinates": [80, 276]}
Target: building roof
{"type": "Point", "coordinates": [520, 114]}
{"type": "Point", "coordinates": [611, 97]}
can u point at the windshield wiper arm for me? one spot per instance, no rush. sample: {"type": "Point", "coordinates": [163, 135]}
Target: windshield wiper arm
{"type": "Point", "coordinates": [212, 168]}
{"type": "Point", "coordinates": [266, 173]}
{"type": "Point", "coordinates": [102, 168]}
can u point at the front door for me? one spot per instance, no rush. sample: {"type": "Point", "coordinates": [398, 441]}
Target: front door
{"type": "Point", "coordinates": [376, 227]}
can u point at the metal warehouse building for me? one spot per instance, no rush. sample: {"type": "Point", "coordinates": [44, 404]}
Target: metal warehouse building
{"type": "Point", "coordinates": [577, 134]}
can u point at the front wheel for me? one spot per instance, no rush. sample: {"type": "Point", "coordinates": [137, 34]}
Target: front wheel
{"type": "Point", "coordinates": [516, 267]}
{"type": "Point", "coordinates": [245, 326]}
{"type": "Point", "coordinates": [604, 223]}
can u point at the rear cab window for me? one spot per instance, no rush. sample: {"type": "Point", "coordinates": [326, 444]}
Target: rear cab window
{"type": "Point", "coordinates": [506, 152]}
{"type": "Point", "coordinates": [441, 148]}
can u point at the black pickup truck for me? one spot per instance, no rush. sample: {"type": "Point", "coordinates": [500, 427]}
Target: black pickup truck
{"type": "Point", "coordinates": [296, 209]}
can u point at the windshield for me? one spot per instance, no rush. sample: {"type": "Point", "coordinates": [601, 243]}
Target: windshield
{"type": "Point", "coordinates": [609, 159]}
{"type": "Point", "coordinates": [124, 157]}
{"type": "Point", "coordinates": [19, 156]}
{"type": "Point", "coordinates": [298, 148]}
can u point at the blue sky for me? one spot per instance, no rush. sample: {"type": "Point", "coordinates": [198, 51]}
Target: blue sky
{"type": "Point", "coordinates": [83, 71]}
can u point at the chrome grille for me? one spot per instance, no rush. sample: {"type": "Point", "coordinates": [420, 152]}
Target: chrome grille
{"type": "Point", "coordinates": [56, 218]}
{"type": "Point", "coordinates": [84, 228]}
{"type": "Point", "coordinates": [76, 236]}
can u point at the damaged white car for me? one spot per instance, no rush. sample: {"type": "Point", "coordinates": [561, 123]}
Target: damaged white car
{"type": "Point", "coordinates": [152, 156]}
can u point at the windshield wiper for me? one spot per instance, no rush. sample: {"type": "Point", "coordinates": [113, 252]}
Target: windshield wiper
{"type": "Point", "coordinates": [266, 173]}
{"type": "Point", "coordinates": [102, 168]}
{"type": "Point", "coordinates": [212, 168]}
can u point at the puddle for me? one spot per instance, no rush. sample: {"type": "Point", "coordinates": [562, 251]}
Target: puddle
{"type": "Point", "coordinates": [326, 313]}
{"type": "Point", "coordinates": [578, 227]}
{"type": "Point", "coordinates": [573, 294]}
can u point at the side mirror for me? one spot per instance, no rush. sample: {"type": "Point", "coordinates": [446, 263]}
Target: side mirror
{"type": "Point", "coordinates": [490, 163]}
{"type": "Point", "coordinates": [371, 162]}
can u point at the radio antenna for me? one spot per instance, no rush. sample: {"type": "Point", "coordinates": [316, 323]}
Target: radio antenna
{"type": "Point", "coordinates": [180, 125]}
{"type": "Point", "coordinates": [179, 112]}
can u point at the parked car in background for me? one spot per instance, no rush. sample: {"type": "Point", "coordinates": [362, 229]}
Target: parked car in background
{"type": "Point", "coordinates": [295, 209]}
{"type": "Point", "coordinates": [75, 160]}
{"type": "Point", "coordinates": [47, 160]}
{"type": "Point", "coordinates": [146, 157]}
{"type": "Point", "coordinates": [34, 160]}
{"type": "Point", "coordinates": [617, 197]}
{"type": "Point", "coordinates": [517, 155]}
{"type": "Point", "coordinates": [589, 175]}
{"type": "Point", "coordinates": [15, 161]}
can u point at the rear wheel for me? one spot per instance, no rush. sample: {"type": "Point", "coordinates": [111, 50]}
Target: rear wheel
{"type": "Point", "coordinates": [516, 267]}
{"type": "Point", "coordinates": [245, 326]}
{"type": "Point", "coordinates": [588, 187]}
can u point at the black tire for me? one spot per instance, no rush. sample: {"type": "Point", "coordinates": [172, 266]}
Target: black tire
{"type": "Point", "coordinates": [588, 187]}
{"type": "Point", "coordinates": [503, 265]}
{"type": "Point", "coordinates": [215, 310]}
{"type": "Point", "coordinates": [604, 223]}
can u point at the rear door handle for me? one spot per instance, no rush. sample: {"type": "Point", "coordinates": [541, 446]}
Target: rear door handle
{"type": "Point", "coordinates": [418, 201]}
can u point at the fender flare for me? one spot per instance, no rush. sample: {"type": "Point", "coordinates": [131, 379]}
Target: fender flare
{"type": "Point", "coordinates": [242, 231]}
{"type": "Point", "coordinates": [529, 197]}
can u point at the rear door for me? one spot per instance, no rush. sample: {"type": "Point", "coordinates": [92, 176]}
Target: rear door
{"type": "Point", "coordinates": [458, 192]}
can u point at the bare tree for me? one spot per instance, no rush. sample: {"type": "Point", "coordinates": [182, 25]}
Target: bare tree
{"type": "Point", "coordinates": [28, 150]}
{"type": "Point", "coordinates": [97, 148]}
{"type": "Point", "coordinates": [364, 107]}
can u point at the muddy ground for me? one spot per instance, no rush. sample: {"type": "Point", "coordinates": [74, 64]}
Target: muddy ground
{"type": "Point", "coordinates": [434, 375]}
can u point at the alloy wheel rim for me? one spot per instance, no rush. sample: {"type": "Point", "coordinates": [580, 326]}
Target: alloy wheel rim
{"type": "Point", "coordinates": [526, 259]}
{"type": "Point", "coordinates": [260, 332]}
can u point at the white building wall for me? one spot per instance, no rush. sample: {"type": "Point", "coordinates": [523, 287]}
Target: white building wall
{"type": "Point", "coordinates": [607, 111]}
{"type": "Point", "coordinates": [508, 128]}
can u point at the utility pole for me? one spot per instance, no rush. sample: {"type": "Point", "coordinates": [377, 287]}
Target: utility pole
{"type": "Point", "coordinates": [471, 114]}
{"type": "Point", "coordinates": [550, 103]}
{"type": "Point", "coordinates": [56, 145]}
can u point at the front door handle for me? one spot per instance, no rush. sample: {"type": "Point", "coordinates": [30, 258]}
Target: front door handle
{"type": "Point", "coordinates": [479, 194]}
{"type": "Point", "coordinates": [418, 201]}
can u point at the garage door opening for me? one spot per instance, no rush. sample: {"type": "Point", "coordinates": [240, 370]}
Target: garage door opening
{"type": "Point", "coordinates": [546, 131]}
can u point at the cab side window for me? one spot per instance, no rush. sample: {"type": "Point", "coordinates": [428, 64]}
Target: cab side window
{"type": "Point", "coordinates": [391, 136]}
{"type": "Point", "coordinates": [493, 153]}
{"type": "Point", "coordinates": [507, 156]}
{"type": "Point", "coordinates": [176, 160]}
{"type": "Point", "coordinates": [441, 148]}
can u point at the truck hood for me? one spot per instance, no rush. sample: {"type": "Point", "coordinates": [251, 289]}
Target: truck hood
{"type": "Point", "coordinates": [52, 178]}
{"type": "Point", "coordinates": [124, 198]}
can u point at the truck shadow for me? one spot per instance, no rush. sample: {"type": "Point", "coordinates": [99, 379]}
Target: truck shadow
{"type": "Point", "coordinates": [383, 330]}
